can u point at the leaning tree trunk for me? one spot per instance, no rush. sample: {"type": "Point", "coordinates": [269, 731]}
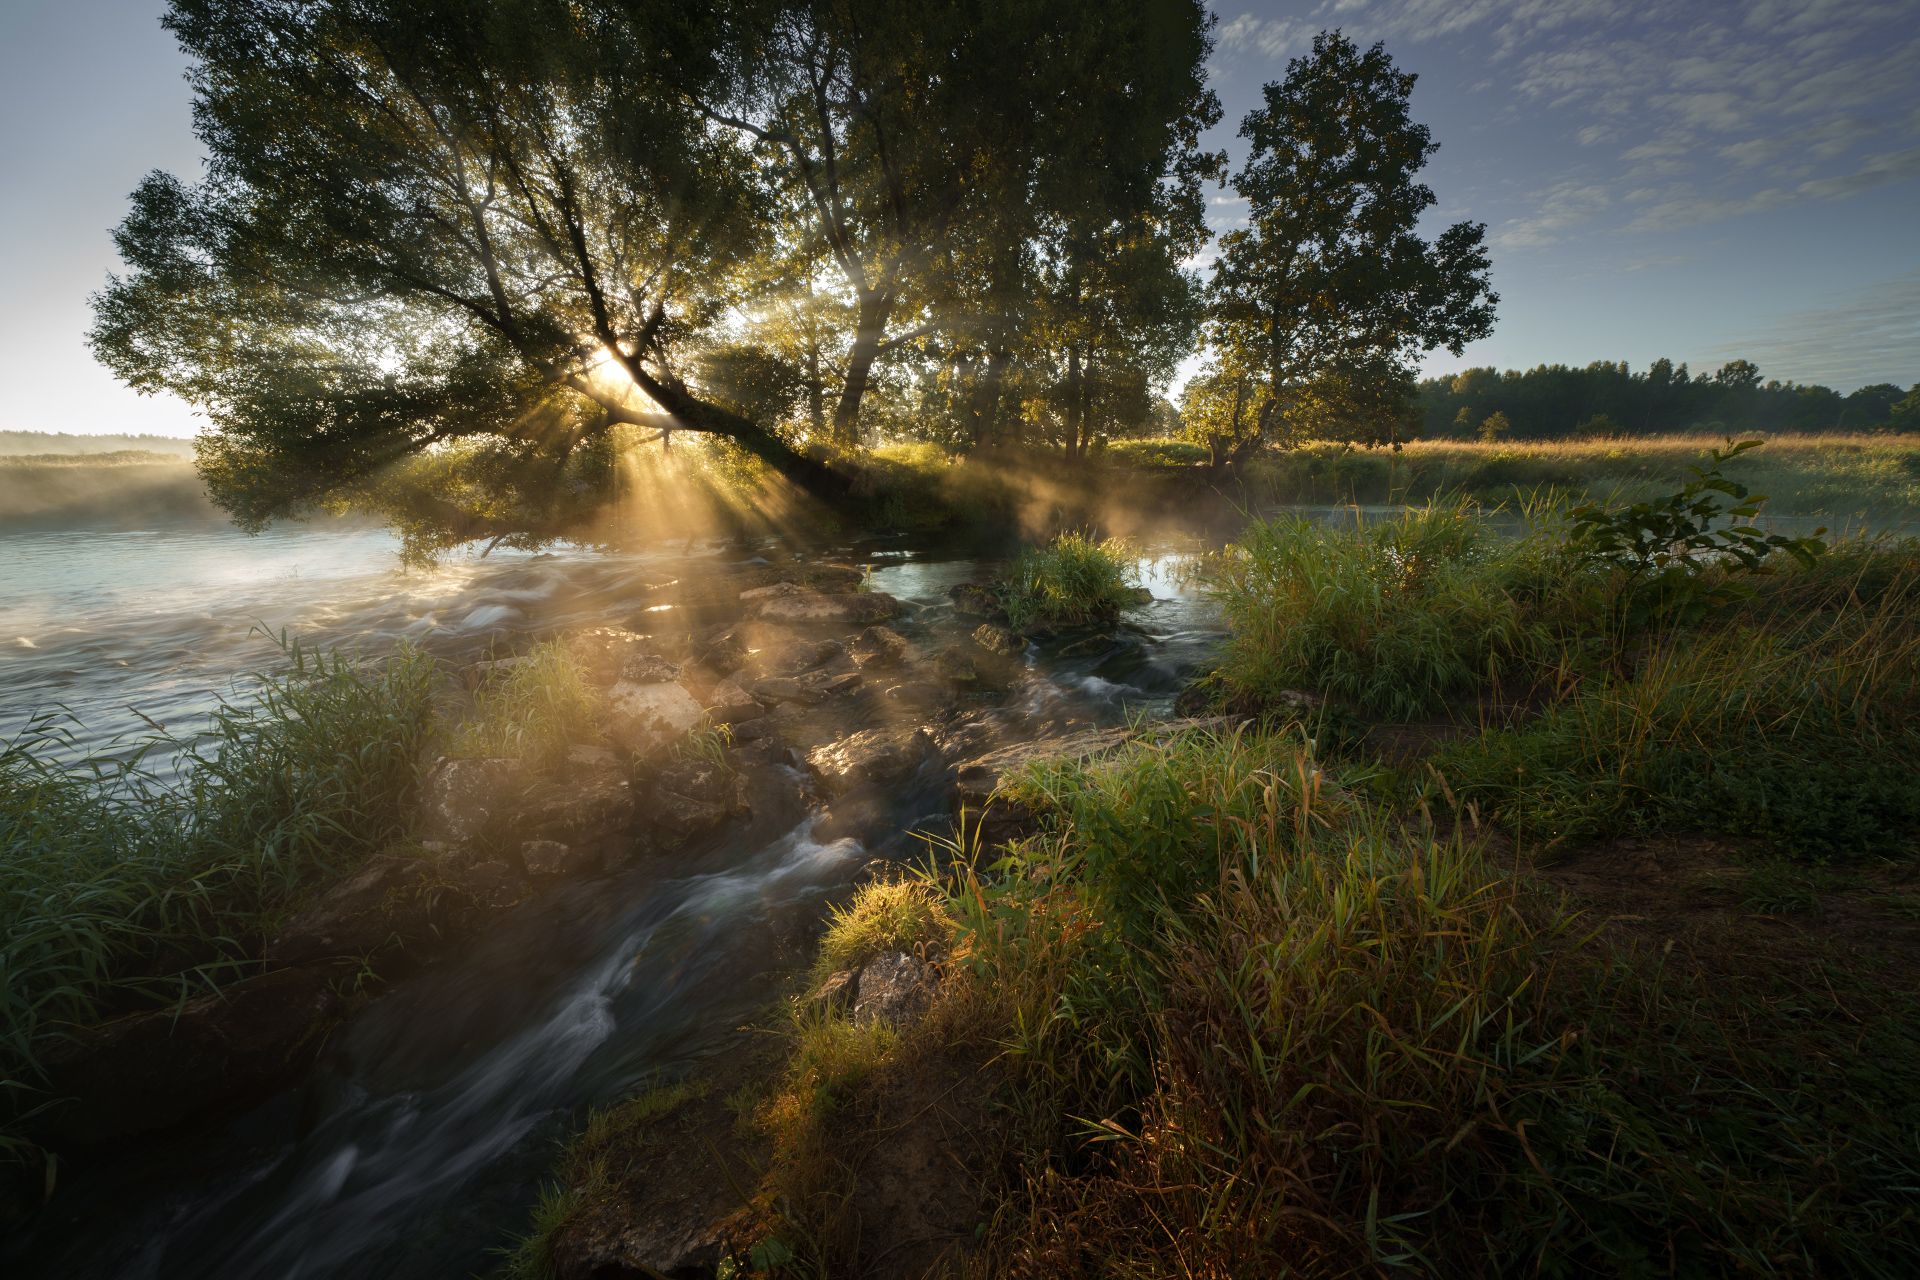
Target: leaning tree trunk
{"type": "Point", "coordinates": [809, 474]}
{"type": "Point", "coordinates": [868, 333]}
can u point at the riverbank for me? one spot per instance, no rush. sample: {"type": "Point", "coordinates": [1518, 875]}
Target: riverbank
{"type": "Point", "coordinates": [1531, 903]}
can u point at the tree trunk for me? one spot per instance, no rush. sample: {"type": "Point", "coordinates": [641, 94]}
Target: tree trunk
{"type": "Point", "coordinates": [809, 474]}
{"type": "Point", "coordinates": [1076, 408]}
{"type": "Point", "coordinates": [867, 335]}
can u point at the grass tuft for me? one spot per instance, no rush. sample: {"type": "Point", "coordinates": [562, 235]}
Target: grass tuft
{"type": "Point", "coordinates": [1075, 580]}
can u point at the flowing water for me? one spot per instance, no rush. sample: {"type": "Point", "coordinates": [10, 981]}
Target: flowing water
{"type": "Point", "coordinates": [416, 1143]}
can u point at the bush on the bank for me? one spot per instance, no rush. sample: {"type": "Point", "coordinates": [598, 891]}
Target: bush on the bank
{"type": "Point", "coordinates": [119, 885]}
{"type": "Point", "coordinates": [1072, 581]}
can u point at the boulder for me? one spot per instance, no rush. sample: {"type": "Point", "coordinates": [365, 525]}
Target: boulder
{"type": "Point", "coordinates": [878, 646]}
{"type": "Point", "coordinates": [591, 803]}
{"type": "Point", "coordinates": [550, 858]}
{"type": "Point", "coordinates": [722, 654]}
{"type": "Point", "coordinates": [895, 988]}
{"type": "Point", "coordinates": [837, 994]}
{"type": "Point", "coordinates": [870, 758]}
{"type": "Point", "coordinates": [460, 798]}
{"type": "Point", "coordinates": [790, 655]}
{"type": "Point", "coordinates": [809, 690]}
{"type": "Point", "coordinates": [151, 1071]}
{"type": "Point", "coordinates": [602, 651]}
{"type": "Point", "coordinates": [731, 704]}
{"type": "Point", "coordinates": [956, 666]}
{"type": "Point", "coordinates": [995, 638]}
{"type": "Point", "coordinates": [643, 718]}
{"type": "Point", "coordinates": [642, 667]}
{"type": "Point", "coordinates": [974, 600]}
{"type": "Point", "coordinates": [801, 605]}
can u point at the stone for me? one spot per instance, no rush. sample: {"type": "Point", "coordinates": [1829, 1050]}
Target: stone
{"type": "Point", "coordinates": [642, 667]}
{"type": "Point", "coordinates": [974, 600]}
{"type": "Point", "coordinates": [792, 655]}
{"type": "Point", "coordinates": [602, 651]}
{"type": "Point", "coordinates": [589, 804]}
{"type": "Point", "coordinates": [731, 704]}
{"type": "Point", "coordinates": [801, 605]}
{"type": "Point", "coordinates": [772, 591]}
{"type": "Point", "coordinates": [644, 718]}
{"type": "Point", "coordinates": [460, 798]}
{"type": "Point", "coordinates": [550, 858]}
{"type": "Point", "coordinates": [870, 758]}
{"type": "Point", "coordinates": [878, 646]}
{"type": "Point", "coordinates": [828, 684]}
{"type": "Point", "coordinates": [995, 638]}
{"type": "Point", "coordinates": [151, 1071]}
{"type": "Point", "coordinates": [956, 666]}
{"type": "Point", "coordinates": [895, 988]}
{"type": "Point", "coordinates": [837, 994]}
{"type": "Point", "coordinates": [724, 654]}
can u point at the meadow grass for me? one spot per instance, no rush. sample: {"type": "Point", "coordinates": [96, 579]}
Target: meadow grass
{"type": "Point", "coordinates": [1075, 580]}
{"type": "Point", "coordinates": [122, 888]}
{"type": "Point", "coordinates": [1255, 1022]}
{"type": "Point", "coordinates": [533, 708]}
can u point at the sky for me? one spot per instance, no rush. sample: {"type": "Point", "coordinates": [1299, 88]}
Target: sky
{"type": "Point", "coordinates": [1690, 179]}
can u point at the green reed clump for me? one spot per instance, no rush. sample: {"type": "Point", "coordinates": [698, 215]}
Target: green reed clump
{"type": "Point", "coordinates": [1397, 614]}
{"type": "Point", "coordinates": [1793, 716]}
{"type": "Point", "coordinates": [1075, 580]}
{"type": "Point", "coordinates": [533, 708]}
{"type": "Point", "coordinates": [123, 886]}
{"type": "Point", "coordinates": [1260, 1026]}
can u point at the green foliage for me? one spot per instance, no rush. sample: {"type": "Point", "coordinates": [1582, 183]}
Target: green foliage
{"type": "Point", "coordinates": [1396, 614]}
{"type": "Point", "coordinates": [534, 708]}
{"type": "Point", "coordinates": [1262, 1027]}
{"type": "Point", "coordinates": [119, 885]}
{"type": "Point", "coordinates": [706, 743]}
{"type": "Point", "coordinates": [884, 916]}
{"type": "Point", "coordinates": [1075, 580]}
{"type": "Point", "coordinates": [1152, 453]}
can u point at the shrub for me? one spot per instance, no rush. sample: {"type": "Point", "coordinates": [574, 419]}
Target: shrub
{"type": "Point", "coordinates": [1072, 581]}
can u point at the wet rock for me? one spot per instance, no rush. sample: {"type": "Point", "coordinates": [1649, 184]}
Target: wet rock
{"type": "Point", "coordinates": [659, 1242]}
{"type": "Point", "coordinates": [828, 684]}
{"type": "Point", "coordinates": [878, 646]}
{"type": "Point", "coordinates": [550, 858]}
{"type": "Point", "coordinates": [858, 607]}
{"type": "Point", "coordinates": [151, 1071]}
{"type": "Point", "coordinates": [591, 803]}
{"type": "Point", "coordinates": [642, 667]}
{"type": "Point", "coordinates": [895, 989]}
{"type": "Point", "coordinates": [460, 798]}
{"type": "Point", "coordinates": [643, 718]}
{"type": "Point", "coordinates": [675, 819]}
{"type": "Point", "coordinates": [837, 994]}
{"type": "Point", "coordinates": [772, 591]}
{"type": "Point", "coordinates": [602, 651]}
{"type": "Point", "coordinates": [790, 656]}
{"type": "Point", "coordinates": [856, 816]}
{"type": "Point", "coordinates": [1087, 646]}
{"type": "Point", "coordinates": [956, 666]}
{"type": "Point", "coordinates": [995, 638]}
{"type": "Point", "coordinates": [974, 600]}
{"type": "Point", "coordinates": [731, 704]}
{"type": "Point", "coordinates": [392, 903]}
{"type": "Point", "coordinates": [809, 690]}
{"type": "Point", "coordinates": [723, 654]}
{"type": "Point", "coordinates": [872, 757]}
{"type": "Point", "coordinates": [920, 697]}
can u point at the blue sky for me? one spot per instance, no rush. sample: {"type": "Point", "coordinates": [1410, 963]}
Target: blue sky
{"type": "Point", "coordinates": [1686, 179]}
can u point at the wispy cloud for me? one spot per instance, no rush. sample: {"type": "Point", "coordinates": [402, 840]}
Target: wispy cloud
{"type": "Point", "coordinates": [1873, 336]}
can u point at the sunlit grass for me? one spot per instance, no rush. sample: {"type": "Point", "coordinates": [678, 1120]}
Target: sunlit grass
{"type": "Point", "coordinates": [1075, 580]}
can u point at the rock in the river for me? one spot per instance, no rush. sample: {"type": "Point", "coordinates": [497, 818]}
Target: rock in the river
{"type": "Point", "coordinates": [591, 803]}
{"type": "Point", "coordinates": [878, 646]}
{"type": "Point", "coordinates": [150, 1071]}
{"type": "Point", "coordinates": [872, 757]}
{"type": "Point", "coordinates": [809, 690]}
{"type": "Point", "coordinates": [647, 717]}
{"type": "Point", "coordinates": [551, 858]}
{"type": "Point", "coordinates": [602, 651]}
{"type": "Point", "coordinates": [801, 605]}
{"type": "Point", "coordinates": [642, 667]}
{"type": "Point", "coordinates": [973, 600]}
{"type": "Point", "coordinates": [786, 654]}
{"type": "Point", "coordinates": [729, 703]}
{"type": "Point", "coordinates": [956, 666]}
{"type": "Point", "coordinates": [894, 988]}
{"type": "Point", "coordinates": [460, 798]}
{"type": "Point", "coordinates": [995, 638]}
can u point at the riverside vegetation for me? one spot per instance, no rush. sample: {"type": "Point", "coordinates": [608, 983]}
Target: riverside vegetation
{"type": "Point", "coordinates": [1541, 905]}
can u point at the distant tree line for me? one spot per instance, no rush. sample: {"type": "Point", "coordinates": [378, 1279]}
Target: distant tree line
{"type": "Point", "coordinates": [1608, 398]}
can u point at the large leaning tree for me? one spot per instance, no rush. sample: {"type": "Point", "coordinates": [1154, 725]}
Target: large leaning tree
{"type": "Point", "coordinates": [458, 247]}
{"type": "Point", "coordinates": [1319, 306]}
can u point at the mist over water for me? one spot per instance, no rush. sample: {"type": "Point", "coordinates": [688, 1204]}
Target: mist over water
{"type": "Point", "coordinates": [418, 1141]}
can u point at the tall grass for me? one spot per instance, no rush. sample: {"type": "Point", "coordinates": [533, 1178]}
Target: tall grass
{"type": "Point", "coordinates": [122, 887]}
{"type": "Point", "coordinates": [1073, 581]}
{"type": "Point", "coordinates": [1261, 1026]}
{"type": "Point", "coordinates": [1395, 614]}
{"type": "Point", "coordinates": [534, 708]}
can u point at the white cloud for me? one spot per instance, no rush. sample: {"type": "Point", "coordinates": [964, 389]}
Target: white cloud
{"type": "Point", "coordinates": [1873, 336]}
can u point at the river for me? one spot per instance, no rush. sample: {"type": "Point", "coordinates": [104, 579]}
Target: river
{"type": "Point", "coordinates": [417, 1143]}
